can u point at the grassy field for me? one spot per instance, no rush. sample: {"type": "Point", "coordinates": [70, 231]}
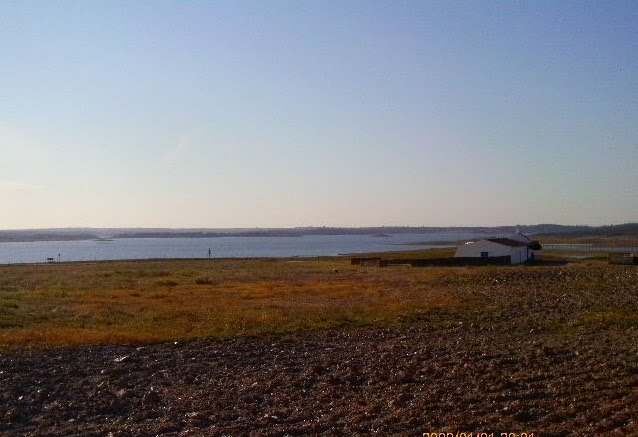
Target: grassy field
{"type": "Point", "coordinates": [153, 301]}
{"type": "Point", "coordinates": [150, 301]}
{"type": "Point", "coordinates": [616, 240]}
{"type": "Point", "coordinates": [550, 348]}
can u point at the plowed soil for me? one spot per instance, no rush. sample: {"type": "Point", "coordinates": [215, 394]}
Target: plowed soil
{"type": "Point", "coordinates": [558, 356]}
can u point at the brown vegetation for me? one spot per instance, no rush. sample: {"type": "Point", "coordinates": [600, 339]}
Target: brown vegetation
{"type": "Point", "coordinates": [549, 350]}
{"type": "Point", "coordinates": [141, 302]}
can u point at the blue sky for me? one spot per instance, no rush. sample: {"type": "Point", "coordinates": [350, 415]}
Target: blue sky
{"type": "Point", "coordinates": [335, 113]}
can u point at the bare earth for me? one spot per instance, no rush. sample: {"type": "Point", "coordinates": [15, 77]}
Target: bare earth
{"type": "Point", "coordinates": [545, 359]}
{"type": "Point", "coordinates": [384, 382]}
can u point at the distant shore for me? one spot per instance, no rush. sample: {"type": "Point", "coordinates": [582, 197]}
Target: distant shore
{"type": "Point", "coordinates": [629, 230]}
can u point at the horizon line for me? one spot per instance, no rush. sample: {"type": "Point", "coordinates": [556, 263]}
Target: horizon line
{"type": "Point", "coordinates": [169, 228]}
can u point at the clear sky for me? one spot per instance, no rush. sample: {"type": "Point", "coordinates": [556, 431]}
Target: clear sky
{"type": "Point", "coordinates": [326, 113]}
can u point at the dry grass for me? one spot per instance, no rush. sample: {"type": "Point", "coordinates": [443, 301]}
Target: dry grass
{"type": "Point", "coordinates": [154, 301]}
{"type": "Point", "coordinates": [150, 301]}
{"type": "Point", "coordinates": [602, 240]}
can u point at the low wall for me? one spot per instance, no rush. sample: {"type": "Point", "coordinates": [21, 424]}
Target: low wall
{"type": "Point", "coordinates": [435, 262]}
{"type": "Point", "coordinates": [378, 262]}
{"type": "Point", "coordinates": [623, 258]}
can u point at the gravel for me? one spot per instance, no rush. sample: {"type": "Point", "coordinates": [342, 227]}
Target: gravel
{"type": "Point", "coordinates": [431, 375]}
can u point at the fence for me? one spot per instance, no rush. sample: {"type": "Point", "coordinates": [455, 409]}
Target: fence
{"type": "Point", "coordinates": [590, 248]}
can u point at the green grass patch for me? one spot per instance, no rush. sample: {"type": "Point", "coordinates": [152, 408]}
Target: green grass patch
{"type": "Point", "coordinates": [601, 320]}
{"type": "Point", "coordinates": [167, 283]}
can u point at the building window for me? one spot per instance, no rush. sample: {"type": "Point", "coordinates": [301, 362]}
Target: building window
{"type": "Point", "coordinates": [484, 254]}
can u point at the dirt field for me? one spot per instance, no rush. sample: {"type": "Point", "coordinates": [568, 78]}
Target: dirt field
{"type": "Point", "coordinates": [548, 350]}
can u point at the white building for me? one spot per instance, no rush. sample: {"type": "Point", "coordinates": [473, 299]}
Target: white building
{"type": "Point", "coordinates": [519, 248]}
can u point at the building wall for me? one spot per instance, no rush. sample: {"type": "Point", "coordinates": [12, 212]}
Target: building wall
{"type": "Point", "coordinates": [518, 254]}
{"type": "Point", "coordinates": [474, 249]}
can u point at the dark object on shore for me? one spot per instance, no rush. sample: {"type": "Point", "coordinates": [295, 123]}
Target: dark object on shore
{"type": "Point", "coordinates": [622, 258]}
{"type": "Point", "coordinates": [535, 245]}
{"type": "Point", "coordinates": [434, 262]}
{"type": "Point", "coordinates": [369, 261]}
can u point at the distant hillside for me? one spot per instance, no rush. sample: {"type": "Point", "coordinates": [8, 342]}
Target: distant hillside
{"type": "Point", "coordinates": [544, 229]}
{"type": "Point", "coordinates": [300, 232]}
{"type": "Point", "coordinates": [45, 235]}
{"type": "Point", "coordinates": [628, 229]}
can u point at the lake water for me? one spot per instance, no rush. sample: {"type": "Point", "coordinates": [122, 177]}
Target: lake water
{"type": "Point", "coordinates": [223, 247]}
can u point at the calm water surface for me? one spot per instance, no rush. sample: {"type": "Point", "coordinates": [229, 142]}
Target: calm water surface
{"type": "Point", "coordinates": [223, 247]}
